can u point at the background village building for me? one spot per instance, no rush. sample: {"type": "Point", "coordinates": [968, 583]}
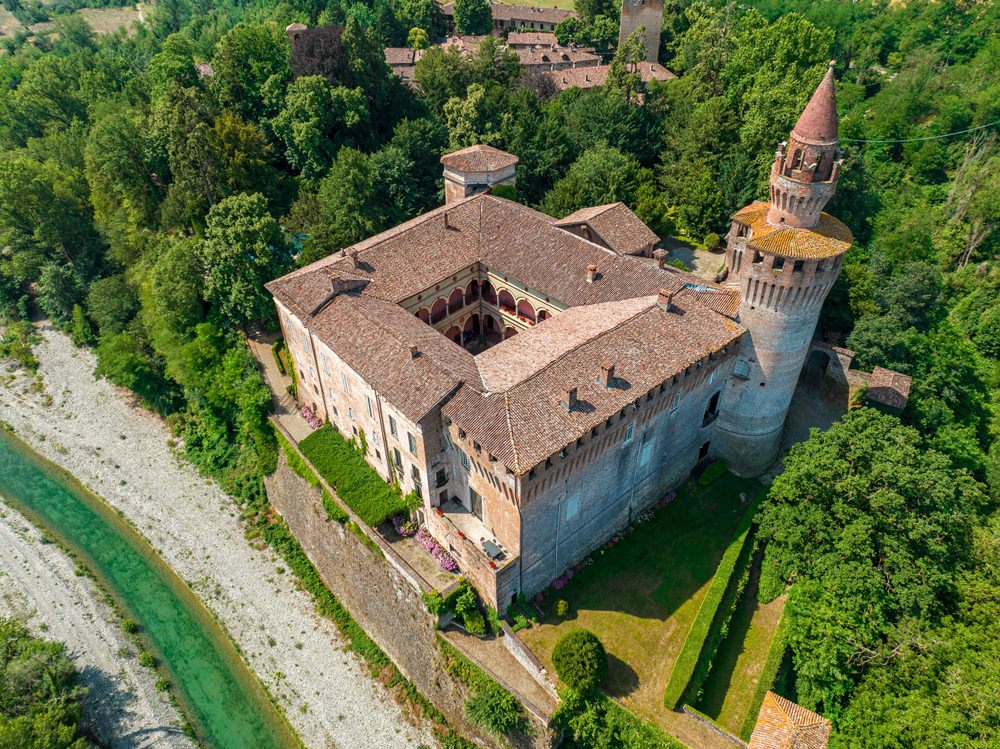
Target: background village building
{"type": "Point", "coordinates": [781, 724]}
{"type": "Point", "coordinates": [538, 382]}
{"type": "Point", "coordinates": [514, 18]}
{"type": "Point", "coordinates": [645, 13]}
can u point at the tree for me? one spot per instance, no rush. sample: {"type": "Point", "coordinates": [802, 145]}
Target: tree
{"type": "Point", "coordinates": [417, 39]}
{"type": "Point", "coordinates": [441, 75]}
{"type": "Point", "coordinates": [111, 304]}
{"type": "Point", "coordinates": [316, 120]}
{"type": "Point", "coordinates": [420, 14]}
{"type": "Point", "coordinates": [173, 65]}
{"type": "Point", "coordinates": [242, 250]}
{"type": "Point", "coordinates": [589, 10]}
{"type": "Point", "coordinates": [602, 34]}
{"type": "Point", "coordinates": [601, 175]}
{"type": "Point", "coordinates": [59, 289]}
{"type": "Point", "coordinates": [623, 74]}
{"type": "Point", "coordinates": [473, 17]}
{"type": "Point", "coordinates": [245, 59]}
{"type": "Point", "coordinates": [474, 119]}
{"type": "Point", "coordinates": [871, 529]}
{"type": "Point", "coordinates": [569, 30]}
{"type": "Point", "coordinates": [580, 660]}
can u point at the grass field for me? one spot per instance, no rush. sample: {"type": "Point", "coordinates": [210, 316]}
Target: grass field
{"type": "Point", "coordinates": [641, 596]}
{"type": "Point", "coordinates": [8, 24]}
{"type": "Point", "coordinates": [104, 20]}
{"type": "Point", "coordinates": [740, 658]}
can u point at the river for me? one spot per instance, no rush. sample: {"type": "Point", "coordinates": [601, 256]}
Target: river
{"type": "Point", "coordinates": [220, 697]}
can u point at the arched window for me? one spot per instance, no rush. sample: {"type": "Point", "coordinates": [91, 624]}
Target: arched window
{"type": "Point", "coordinates": [797, 159]}
{"type": "Point", "coordinates": [423, 314]}
{"type": "Point", "coordinates": [456, 301]}
{"type": "Point", "coordinates": [507, 301]}
{"type": "Point", "coordinates": [455, 334]}
{"type": "Point", "coordinates": [472, 292]}
{"type": "Point", "coordinates": [439, 310]}
{"type": "Point", "coordinates": [489, 293]}
{"type": "Point", "coordinates": [525, 311]}
{"type": "Point", "coordinates": [543, 314]}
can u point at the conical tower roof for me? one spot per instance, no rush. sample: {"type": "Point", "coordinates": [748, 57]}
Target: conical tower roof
{"type": "Point", "coordinates": [818, 122]}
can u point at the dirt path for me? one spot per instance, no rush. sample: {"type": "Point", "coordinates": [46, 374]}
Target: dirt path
{"type": "Point", "coordinates": [39, 584]}
{"type": "Point", "coordinates": [123, 453]}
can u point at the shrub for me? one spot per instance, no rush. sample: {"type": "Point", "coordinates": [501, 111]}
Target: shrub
{"type": "Point", "coordinates": [580, 660]}
{"type": "Point", "coordinates": [129, 626]}
{"type": "Point", "coordinates": [593, 720]}
{"type": "Point", "coordinates": [334, 511]}
{"type": "Point", "coordinates": [561, 608]}
{"type": "Point", "coordinates": [276, 352]}
{"type": "Point", "coordinates": [496, 710]}
{"type": "Point", "coordinates": [474, 623]}
{"type": "Point", "coordinates": [679, 264]}
{"type": "Point", "coordinates": [711, 240]}
{"type": "Point", "coordinates": [493, 619]}
{"type": "Point", "coordinates": [710, 623]}
{"type": "Point", "coordinates": [713, 473]}
{"type": "Point", "coordinates": [147, 660]}
{"type": "Point", "coordinates": [356, 482]}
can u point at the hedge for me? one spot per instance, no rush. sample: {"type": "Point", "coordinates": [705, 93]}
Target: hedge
{"type": "Point", "coordinates": [276, 352]}
{"type": "Point", "coordinates": [356, 483]}
{"type": "Point", "coordinates": [594, 719]}
{"type": "Point", "coordinates": [491, 706]}
{"type": "Point", "coordinates": [709, 626]}
{"type": "Point", "coordinates": [774, 665]}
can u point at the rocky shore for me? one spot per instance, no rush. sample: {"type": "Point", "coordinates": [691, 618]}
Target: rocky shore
{"type": "Point", "coordinates": [123, 453]}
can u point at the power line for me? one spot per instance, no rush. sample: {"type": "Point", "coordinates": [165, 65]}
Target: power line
{"type": "Point", "coordinates": [926, 137]}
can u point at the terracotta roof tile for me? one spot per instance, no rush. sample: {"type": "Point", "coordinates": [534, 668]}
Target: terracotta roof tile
{"type": "Point", "coordinates": [589, 77]}
{"type": "Point", "coordinates": [479, 159]}
{"type": "Point", "coordinates": [829, 238]}
{"type": "Point", "coordinates": [621, 230]}
{"type": "Point", "coordinates": [781, 724]}
{"type": "Point", "coordinates": [818, 121]}
{"type": "Point", "coordinates": [889, 388]}
{"type": "Point", "coordinates": [531, 38]}
{"type": "Point", "coordinates": [504, 12]}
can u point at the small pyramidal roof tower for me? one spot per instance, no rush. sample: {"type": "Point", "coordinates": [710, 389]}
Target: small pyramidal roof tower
{"type": "Point", "coordinates": [806, 167]}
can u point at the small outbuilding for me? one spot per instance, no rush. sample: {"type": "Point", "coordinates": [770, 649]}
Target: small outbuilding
{"type": "Point", "coordinates": [888, 389]}
{"type": "Point", "coordinates": [781, 724]}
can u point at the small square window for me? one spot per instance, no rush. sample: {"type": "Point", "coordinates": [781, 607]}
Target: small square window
{"type": "Point", "coordinates": [397, 458]}
{"type": "Point", "coordinates": [675, 402]}
{"type": "Point", "coordinates": [466, 464]}
{"type": "Point", "coordinates": [344, 383]}
{"type": "Point", "coordinates": [392, 427]}
{"type": "Point", "coordinates": [741, 369]}
{"type": "Point", "coordinates": [629, 432]}
{"type": "Point", "coordinates": [350, 413]}
{"type": "Point", "coordinates": [572, 506]}
{"type": "Point", "coordinates": [412, 443]}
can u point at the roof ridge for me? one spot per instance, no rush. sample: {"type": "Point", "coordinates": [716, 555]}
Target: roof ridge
{"type": "Point", "coordinates": [586, 341]}
{"type": "Point", "coordinates": [510, 431]}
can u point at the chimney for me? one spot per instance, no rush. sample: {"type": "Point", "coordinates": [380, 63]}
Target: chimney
{"type": "Point", "coordinates": [414, 351]}
{"type": "Point", "coordinates": [660, 256]}
{"type": "Point", "coordinates": [354, 258]}
{"type": "Point", "coordinates": [568, 401]}
{"type": "Point", "coordinates": [665, 299]}
{"type": "Point", "coordinates": [446, 224]}
{"type": "Point", "coordinates": [607, 373]}
{"type": "Point", "coordinates": [591, 273]}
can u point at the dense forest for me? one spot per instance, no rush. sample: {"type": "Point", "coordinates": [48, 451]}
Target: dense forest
{"type": "Point", "coordinates": [145, 198]}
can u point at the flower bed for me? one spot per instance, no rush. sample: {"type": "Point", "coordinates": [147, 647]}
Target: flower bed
{"type": "Point", "coordinates": [446, 560]}
{"type": "Point", "coordinates": [310, 417]}
{"type": "Point", "coordinates": [404, 526]}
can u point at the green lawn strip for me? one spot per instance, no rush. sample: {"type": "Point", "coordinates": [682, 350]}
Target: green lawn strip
{"type": "Point", "coordinates": [695, 711]}
{"type": "Point", "coordinates": [356, 483]}
{"type": "Point", "coordinates": [491, 705]}
{"type": "Point", "coordinates": [709, 627]}
{"type": "Point", "coordinates": [774, 666]}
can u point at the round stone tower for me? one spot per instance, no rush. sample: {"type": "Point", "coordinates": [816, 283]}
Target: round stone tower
{"type": "Point", "coordinates": [784, 256]}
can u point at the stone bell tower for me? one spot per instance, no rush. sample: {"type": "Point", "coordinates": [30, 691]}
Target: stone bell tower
{"type": "Point", "coordinates": [784, 256]}
{"type": "Point", "coordinates": [648, 13]}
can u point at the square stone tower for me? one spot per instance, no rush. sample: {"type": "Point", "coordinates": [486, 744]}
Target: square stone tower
{"type": "Point", "coordinates": [648, 13]}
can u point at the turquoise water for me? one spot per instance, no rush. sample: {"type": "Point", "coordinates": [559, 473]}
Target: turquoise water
{"type": "Point", "coordinates": [223, 701]}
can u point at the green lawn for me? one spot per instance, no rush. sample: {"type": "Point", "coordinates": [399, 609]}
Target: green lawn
{"type": "Point", "coordinates": [641, 596]}
{"type": "Point", "coordinates": [736, 669]}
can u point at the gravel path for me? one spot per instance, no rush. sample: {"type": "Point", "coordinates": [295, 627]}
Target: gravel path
{"type": "Point", "coordinates": [39, 584]}
{"type": "Point", "coordinates": [121, 452]}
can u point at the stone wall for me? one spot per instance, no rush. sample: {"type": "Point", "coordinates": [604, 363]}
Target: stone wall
{"type": "Point", "coordinates": [384, 602]}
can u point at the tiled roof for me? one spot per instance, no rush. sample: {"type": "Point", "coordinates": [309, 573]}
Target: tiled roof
{"type": "Point", "coordinates": [818, 121]}
{"type": "Point", "coordinates": [479, 159]}
{"type": "Point", "coordinates": [521, 38]}
{"type": "Point", "coordinates": [535, 57]}
{"type": "Point", "coordinates": [829, 238]}
{"type": "Point", "coordinates": [781, 724]}
{"type": "Point", "coordinates": [396, 56]}
{"type": "Point", "coordinates": [621, 230]}
{"type": "Point", "coordinates": [589, 77]}
{"type": "Point", "coordinates": [525, 423]}
{"type": "Point", "coordinates": [504, 12]}
{"type": "Point", "coordinates": [889, 388]}
{"type": "Point", "coordinates": [614, 316]}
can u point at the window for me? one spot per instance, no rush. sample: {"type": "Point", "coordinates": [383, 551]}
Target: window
{"type": "Point", "coordinates": [344, 383]}
{"type": "Point", "coordinates": [742, 370]}
{"type": "Point", "coordinates": [326, 365]}
{"type": "Point", "coordinates": [629, 432]}
{"type": "Point", "coordinates": [531, 475]}
{"type": "Point", "coordinates": [757, 258]}
{"type": "Point", "coordinates": [797, 158]}
{"type": "Point", "coordinates": [371, 409]}
{"type": "Point", "coordinates": [412, 443]}
{"type": "Point", "coordinates": [646, 453]}
{"type": "Point", "coordinates": [799, 265]}
{"type": "Point", "coordinates": [415, 473]}
{"type": "Point", "coordinates": [778, 263]}
{"type": "Point", "coordinates": [572, 506]}
{"type": "Point", "coordinates": [375, 438]}
{"type": "Point", "coordinates": [330, 390]}
{"type": "Point", "coordinates": [675, 402]}
{"type": "Point", "coordinates": [305, 344]}
{"type": "Point", "coordinates": [350, 413]}
{"type": "Point", "coordinates": [464, 459]}
{"type": "Point", "coordinates": [392, 427]}
{"type": "Point", "coordinates": [397, 459]}
{"type": "Point", "coordinates": [711, 377]}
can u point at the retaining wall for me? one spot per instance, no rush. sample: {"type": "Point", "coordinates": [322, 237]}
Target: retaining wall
{"type": "Point", "coordinates": [385, 602]}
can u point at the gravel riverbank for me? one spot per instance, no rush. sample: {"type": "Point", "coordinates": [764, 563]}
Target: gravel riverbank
{"type": "Point", "coordinates": [39, 585]}
{"type": "Point", "coordinates": [121, 452]}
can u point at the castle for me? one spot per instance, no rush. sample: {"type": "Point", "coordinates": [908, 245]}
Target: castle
{"type": "Point", "coordinates": [538, 381]}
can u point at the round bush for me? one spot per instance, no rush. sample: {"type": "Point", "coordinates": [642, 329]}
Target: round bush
{"type": "Point", "coordinates": [580, 660]}
{"type": "Point", "coordinates": [711, 240]}
{"type": "Point", "coordinates": [561, 608]}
